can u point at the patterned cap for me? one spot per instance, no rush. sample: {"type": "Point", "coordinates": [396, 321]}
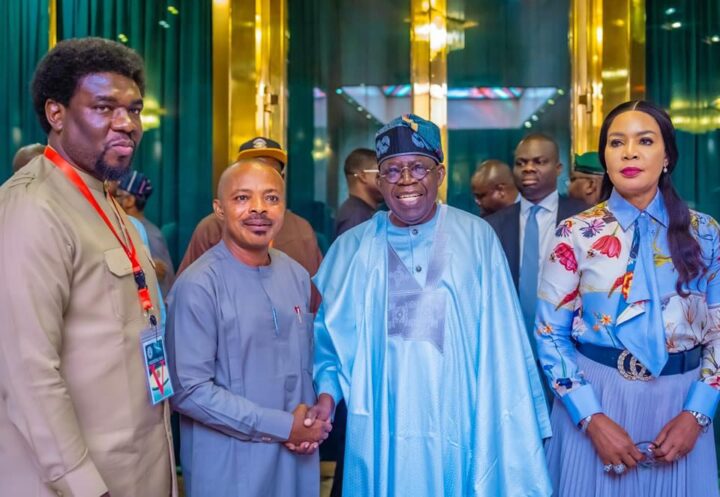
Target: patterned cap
{"type": "Point", "coordinates": [137, 184]}
{"type": "Point", "coordinates": [409, 135]}
{"type": "Point", "coordinates": [263, 147]}
{"type": "Point", "coordinates": [589, 163]}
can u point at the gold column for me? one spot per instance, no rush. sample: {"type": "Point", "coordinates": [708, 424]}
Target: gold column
{"type": "Point", "coordinates": [52, 24]}
{"type": "Point", "coordinates": [249, 75]}
{"type": "Point", "coordinates": [428, 66]}
{"type": "Point", "coordinates": [607, 43]}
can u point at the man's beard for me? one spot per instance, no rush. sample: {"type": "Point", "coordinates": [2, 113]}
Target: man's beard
{"type": "Point", "coordinates": [109, 173]}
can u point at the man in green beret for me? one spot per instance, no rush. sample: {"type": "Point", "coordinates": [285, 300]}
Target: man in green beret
{"type": "Point", "coordinates": [586, 178]}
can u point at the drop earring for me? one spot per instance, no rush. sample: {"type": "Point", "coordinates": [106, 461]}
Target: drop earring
{"type": "Point", "coordinates": [665, 168]}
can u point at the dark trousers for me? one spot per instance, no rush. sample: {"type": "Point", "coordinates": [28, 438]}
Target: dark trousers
{"type": "Point", "coordinates": [333, 449]}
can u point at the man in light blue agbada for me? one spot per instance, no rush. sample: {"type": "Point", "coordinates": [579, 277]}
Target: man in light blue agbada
{"type": "Point", "coordinates": [420, 332]}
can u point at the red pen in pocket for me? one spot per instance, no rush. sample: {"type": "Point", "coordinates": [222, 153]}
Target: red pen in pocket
{"type": "Point", "coordinates": [298, 311]}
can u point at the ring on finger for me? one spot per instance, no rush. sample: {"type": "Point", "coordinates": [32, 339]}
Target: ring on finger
{"type": "Point", "coordinates": [607, 467]}
{"type": "Point", "coordinates": [619, 468]}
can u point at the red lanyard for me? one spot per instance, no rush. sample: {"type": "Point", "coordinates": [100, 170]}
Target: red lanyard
{"type": "Point", "coordinates": [138, 273]}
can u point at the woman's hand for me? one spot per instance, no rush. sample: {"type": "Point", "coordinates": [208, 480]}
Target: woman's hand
{"type": "Point", "coordinates": [612, 444]}
{"type": "Point", "coordinates": [677, 438]}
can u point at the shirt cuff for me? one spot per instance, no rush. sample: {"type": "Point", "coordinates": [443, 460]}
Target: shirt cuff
{"type": "Point", "coordinates": [330, 386]}
{"type": "Point", "coordinates": [273, 425]}
{"type": "Point", "coordinates": [581, 402]}
{"type": "Point", "coordinates": [702, 398]}
{"type": "Point", "coordinates": [82, 481]}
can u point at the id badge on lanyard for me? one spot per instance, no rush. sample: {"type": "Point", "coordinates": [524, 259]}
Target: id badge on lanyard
{"type": "Point", "coordinates": [152, 344]}
{"type": "Point", "coordinates": [152, 341]}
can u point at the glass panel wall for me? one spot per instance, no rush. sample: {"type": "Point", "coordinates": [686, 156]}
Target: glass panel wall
{"type": "Point", "coordinates": [342, 53]}
{"type": "Point", "coordinates": [349, 73]}
{"type": "Point", "coordinates": [683, 75]}
{"type": "Point", "coordinates": [508, 75]}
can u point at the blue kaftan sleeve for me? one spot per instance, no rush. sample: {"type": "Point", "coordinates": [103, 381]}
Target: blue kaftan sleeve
{"type": "Point", "coordinates": [704, 395]}
{"type": "Point", "coordinates": [509, 403]}
{"type": "Point", "coordinates": [503, 297]}
{"type": "Point", "coordinates": [336, 323]}
{"type": "Point", "coordinates": [192, 347]}
{"type": "Point", "coordinates": [557, 295]}
{"type": "Point", "coordinates": [326, 360]}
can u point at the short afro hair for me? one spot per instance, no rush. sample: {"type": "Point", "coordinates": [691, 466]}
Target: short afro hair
{"type": "Point", "coordinates": [58, 73]}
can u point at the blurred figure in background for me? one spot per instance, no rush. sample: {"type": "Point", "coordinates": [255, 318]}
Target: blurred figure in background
{"type": "Point", "coordinates": [586, 178]}
{"type": "Point", "coordinates": [132, 193]}
{"type": "Point", "coordinates": [493, 186]}
{"type": "Point", "coordinates": [26, 154]}
{"type": "Point", "coordinates": [364, 197]}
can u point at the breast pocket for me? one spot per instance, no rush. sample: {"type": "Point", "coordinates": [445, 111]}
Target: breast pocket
{"type": "Point", "coordinates": [121, 282]}
{"type": "Point", "coordinates": [148, 254]}
{"type": "Point", "coordinates": [304, 330]}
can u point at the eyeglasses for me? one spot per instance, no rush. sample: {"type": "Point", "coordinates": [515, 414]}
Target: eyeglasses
{"type": "Point", "coordinates": [393, 174]}
{"type": "Point", "coordinates": [364, 171]}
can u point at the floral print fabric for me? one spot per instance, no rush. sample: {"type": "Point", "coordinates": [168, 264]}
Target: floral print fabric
{"type": "Point", "coordinates": [583, 278]}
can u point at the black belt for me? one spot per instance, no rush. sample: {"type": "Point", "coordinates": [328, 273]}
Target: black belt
{"type": "Point", "coordinates": [632, 369]}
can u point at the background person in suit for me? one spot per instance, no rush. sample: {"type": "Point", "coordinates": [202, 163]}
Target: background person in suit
{"type": "Point", "coordinates": [493, 186]}
{"type": "Point", "coordinates": [364, 196]}
{"type": "Point", "coordinates": [526, 228]}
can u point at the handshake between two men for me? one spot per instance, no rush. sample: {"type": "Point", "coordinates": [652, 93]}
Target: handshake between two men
{"type": "Point", "coordinates": [311, 426]}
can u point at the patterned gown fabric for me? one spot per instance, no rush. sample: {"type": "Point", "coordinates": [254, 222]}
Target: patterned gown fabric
{"type": "Point", "coordinates": [416, 312]}
{"type": "Point", "coordinates": [581, 287]}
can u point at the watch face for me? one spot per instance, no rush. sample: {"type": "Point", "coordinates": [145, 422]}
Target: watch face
{"type": "Point", "coordinates": [702, 420]}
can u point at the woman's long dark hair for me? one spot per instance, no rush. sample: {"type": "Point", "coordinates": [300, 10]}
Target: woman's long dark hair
{"type": "Point", "coordinates": [684, 248]}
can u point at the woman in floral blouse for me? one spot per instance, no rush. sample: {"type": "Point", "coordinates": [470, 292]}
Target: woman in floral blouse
{"type": "Point", "coordinates": [628, 326]}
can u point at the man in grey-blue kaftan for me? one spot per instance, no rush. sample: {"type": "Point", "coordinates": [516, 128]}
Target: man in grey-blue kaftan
{"type": "Point", "coordinates": [240, 334]}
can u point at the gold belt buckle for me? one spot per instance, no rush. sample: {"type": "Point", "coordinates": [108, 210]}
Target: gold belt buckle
{"type": "Point", "coordinates": [635, 371]}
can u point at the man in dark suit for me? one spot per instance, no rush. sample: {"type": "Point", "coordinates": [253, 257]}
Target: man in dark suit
{"type": "Point", "coordinates": [526, 228]}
